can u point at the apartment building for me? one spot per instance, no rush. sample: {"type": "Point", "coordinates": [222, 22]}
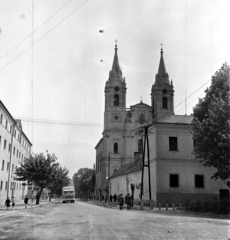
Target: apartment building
{"type": "Point", "coordinates": [15, 148]}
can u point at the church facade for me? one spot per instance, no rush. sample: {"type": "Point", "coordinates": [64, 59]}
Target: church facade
{"type": "Point", "coordinates": [175, 174]}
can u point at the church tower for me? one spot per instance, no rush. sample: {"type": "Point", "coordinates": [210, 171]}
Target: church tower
{"type": "Point", "coordinates": [162, 93]}
{"type": "Point", "coordinates": [115, 97]}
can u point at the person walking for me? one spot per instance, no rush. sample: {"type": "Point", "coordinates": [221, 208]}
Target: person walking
{"type": "Point", "coordinates": [120, 200]}
{"type": "Point", "coordinates": [26, 201]}
{"type": "Point", "coordinates": [115, 197]}
{"type": "Point", "coordinates": [13, 202]}
{"type": "Point", "coordinates": [7, 203]}
{"type": "Point", "coordinates": [128, 200]}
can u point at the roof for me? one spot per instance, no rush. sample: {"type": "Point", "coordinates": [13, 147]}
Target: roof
{"type": "Point", "coordinates": [128, 168]}
{"type": "Point", "coordinates": [16, 121]}
{"type": "Point", "coordinates": [180, 119]}
{"type": "Point", "coordinates": [141, 104]}
{"type": "Point", "coordinates": [99, 143]}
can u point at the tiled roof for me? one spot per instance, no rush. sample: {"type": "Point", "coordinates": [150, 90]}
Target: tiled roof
{"type": "Point", "coordinates": [128, 168]}
{"type": "Point", "coordinates": [176, 119]}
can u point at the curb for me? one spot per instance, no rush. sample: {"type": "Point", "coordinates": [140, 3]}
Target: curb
{"type": "Point", "coordinates": [18, 209]}
{"type": "Point", "coordinates": [168, 212]}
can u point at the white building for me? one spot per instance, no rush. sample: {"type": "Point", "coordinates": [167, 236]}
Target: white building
{"type": "Point", "coordinates": [15, 147]}
{"type": "Point", "coordinates": [175, 173]}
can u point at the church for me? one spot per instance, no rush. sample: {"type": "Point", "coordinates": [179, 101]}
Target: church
{"type": "Point", "coordinates": [173, 175]}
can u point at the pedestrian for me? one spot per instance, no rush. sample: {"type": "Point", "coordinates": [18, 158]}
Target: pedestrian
{"type": "Point", "coordinates": [26, 201]}
{"type": "Point", "coordinates": [120, 200]}
{"type": "Point", "coordinates": [13, 202]}
{"type": "Point", "coordinates": [128, 200]}
{"type": "Point", "coordinates": [115, 197]}
{"type": "Point", "coordinates": [7, 203]}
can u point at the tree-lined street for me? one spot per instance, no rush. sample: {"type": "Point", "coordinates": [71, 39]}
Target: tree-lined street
{"type": "Point", "coordinates": [83, 220]}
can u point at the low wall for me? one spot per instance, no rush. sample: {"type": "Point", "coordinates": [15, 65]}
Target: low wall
{"type": "Point", "coordinates": [183, 197]}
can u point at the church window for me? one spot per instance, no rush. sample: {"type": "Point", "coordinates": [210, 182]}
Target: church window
{"type": "Point", "coordinates": [115, 148]}
{"type": "Point", "coordinates": [140, 145]}
{"type": "Point", "coordinates": [173, 144]}
{"type": "Point", "coordinates": [116, 100]}
{"type": "Point", "coordinates": [174, 180]}
{"type": "Point", "coordinates": [164, 91]}
{"type": "Point", "coordinates": [164, 102]}
{"type": "Point", "coordinates": [116, 88]}
{"type": "Point", "coordinates": [199, 181]}
{"type": "Point", "coordinates": [116, 117]}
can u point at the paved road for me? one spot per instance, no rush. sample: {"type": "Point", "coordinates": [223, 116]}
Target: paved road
{"type": "Point", "coordinates": [86, 221]}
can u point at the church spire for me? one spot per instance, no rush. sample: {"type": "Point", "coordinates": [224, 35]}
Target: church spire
{"type": "Point", "coordinates": [162, 75]}
{"type": "Point", "coordinates": [116, 67]}
{"type": "Point", "coordinates": [116, 70]}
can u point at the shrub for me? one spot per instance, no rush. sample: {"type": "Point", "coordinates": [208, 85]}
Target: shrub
{"type": "Point", "coordinates": [218, 207]}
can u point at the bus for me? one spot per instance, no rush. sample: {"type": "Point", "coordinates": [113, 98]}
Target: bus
{"type": "Point", "coordinates": [68, 194]}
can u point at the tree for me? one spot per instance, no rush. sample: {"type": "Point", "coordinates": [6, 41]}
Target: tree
{"type": "Point", "coordinates": [84, 180]}
{"type": "Point", "coordinates": [59, 179]}
{"type": "Point", "coordinates": [37, 170]}
{"type": "Point", "coordinates": [211, 125]}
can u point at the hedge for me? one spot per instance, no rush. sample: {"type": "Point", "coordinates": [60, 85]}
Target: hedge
{"type": "Point", "coordinates": [218, 207]}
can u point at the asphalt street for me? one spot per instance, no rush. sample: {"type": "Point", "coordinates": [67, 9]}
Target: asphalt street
{"type": "Point", "coordinates": [82, 220]}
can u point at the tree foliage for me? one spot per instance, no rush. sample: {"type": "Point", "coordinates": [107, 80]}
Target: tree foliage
{"type": "Point", "coordinates": [59, 179]}
{"type": "Point", "coordinates": [84, 180]}
{"type": "Point", "coordinates": [39, 170]}
{"type": "Point", "coordinates": [211, 125]}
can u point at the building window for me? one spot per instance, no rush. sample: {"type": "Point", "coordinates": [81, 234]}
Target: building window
{"type": "Point", "coordinates": [1, 185]}
{"type": "Point", "coordinates": [194, 143]}
{"type": "Point", "coordinates": [6, 186]}
{"type": "Point", "coordinates": [224, 194]}
{"type": "Point", "coordinates": [8, 167]}
{"type": "Point", "coordinates": [116, 100]}
{"type": "Point", "coordinates": [17, 153]}
{"type": "Point", "coordinates": [9, 147]}
{"type": "Point", "coordinates": [165, 103]}
{"type": "Point", "coordinates": [140, 145]}
{"type": "Point", "coordinates": [199, 181]}
{"type": "Point", "coordinates": [12, 168]}
{"type": "Point", "coordinates": [174, 180]}
{"type": "Point", "coordinates": [115, 148]}
{"type": "Point", "coordinates": [4, 144]}
{"type": "Point", "coordinates": [3, 163]}
{"type": "Point", "coordinates": [173, 144]}
{"type": "Point", "coordinates": [6, 124]}
{"type": "Point", "coordinates": [14, 150]}
{"type": "Point", "coordinates": [1, 118]}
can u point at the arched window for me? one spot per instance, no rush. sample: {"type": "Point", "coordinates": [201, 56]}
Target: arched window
{"type": "Point", "coordinates": [140, 145]}
{"type": "Point", "coordinates": [116, 100]}
{"type": "Point", "coordinates": [115, 148]}
{"type": "Point", "coordinates": [165, 102]}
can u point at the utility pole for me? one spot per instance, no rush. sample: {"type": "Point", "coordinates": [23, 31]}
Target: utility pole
{"type": "Point", "coordinates": [108, 178]}
{"type": "Point", "coordinates": [144, 132]}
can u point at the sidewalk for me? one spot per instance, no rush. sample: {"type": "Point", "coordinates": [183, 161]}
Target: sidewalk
{"type": "Point", "coordinates": [170, 211]}
{"type": "Point", "coordinates": [20, 205]}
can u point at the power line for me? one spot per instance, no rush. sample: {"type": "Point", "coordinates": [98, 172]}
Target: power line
{"type": "Point", "coordinates": [54, 122]}
{"type": "Point", "coordinates": [192, 93]}
{"type": "Point", "coordinates": [37, 28]}
{"type": "Point", "coordinates": [44, 34]}
{"type": "Point", "coordinates": [191, 102]}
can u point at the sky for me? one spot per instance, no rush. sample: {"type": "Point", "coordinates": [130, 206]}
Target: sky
{"type": "Point", "coordinates": [55, 57]}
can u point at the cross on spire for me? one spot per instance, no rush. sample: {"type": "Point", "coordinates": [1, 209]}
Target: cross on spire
{"type": "Point", "coordinates": [116, 41]}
